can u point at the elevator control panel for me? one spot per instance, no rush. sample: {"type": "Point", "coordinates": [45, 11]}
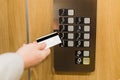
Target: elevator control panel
{"type": "Point", "coordinates": [75, 21]}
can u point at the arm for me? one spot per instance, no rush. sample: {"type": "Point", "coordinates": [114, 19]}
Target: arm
{"type": "Point", "coordinates": [13, 64]}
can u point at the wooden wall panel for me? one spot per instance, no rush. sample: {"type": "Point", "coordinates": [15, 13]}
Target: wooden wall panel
{"type": "Point", "coordinates": [4, 42]}
{"type": "Point", "coordinates": [40, 23]}
{"type": "Point", "coordinates": [107, 47]}
{"type": "Point", "coordinates": [12, 26]}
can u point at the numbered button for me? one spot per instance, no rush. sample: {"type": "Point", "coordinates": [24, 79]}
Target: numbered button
{"type": "Point", "coordinates": [66, 12]}
{"type": "Point", "coordinates": [66, 20]}
{"type": "Point", "coordinates": [69, 28]}
{"type": "Point", "coordinates": [67, 44]}
{"type": "Point", "coordinates": [66, 35]}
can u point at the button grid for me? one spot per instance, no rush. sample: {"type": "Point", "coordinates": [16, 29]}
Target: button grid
{"type": "Point", "coordinates": [75, 32]}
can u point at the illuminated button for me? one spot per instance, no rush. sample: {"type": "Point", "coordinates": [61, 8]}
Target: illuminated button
{"type": "Point", "coordinates": [86, 53]}
{"type": "Point", "coordinates": [86, 36]}
{"type": "Point", "coordinates": [86, 28]}
{"type": "Point", "coordinates": [70, 20]}
{"type": "Point", "coordinates": [86, 43]}
{"type": "Point", "coordinates": [87, 20]}
{"type": "Point", "coordinates": [70, 28]}
{"type": "Point", "coordinates": [70, 12]}
{"type": "Point", "coordinates": [70, 43]}
{"type": "Point", "coordinates": [86, 61]}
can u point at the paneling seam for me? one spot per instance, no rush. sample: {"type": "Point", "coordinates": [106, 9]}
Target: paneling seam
{"type": "Point", "coordinates": [27, 32]}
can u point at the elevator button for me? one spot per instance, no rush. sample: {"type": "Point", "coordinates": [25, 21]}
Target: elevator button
{"type": "Point", "coordinates": [87, 20]}
{"type": "Point", "coordinates": [70, 12]}
{"type": "Point", "coordinates": [86, 35]}
{"type": "Point", "coordinates": [70, 43]}
{"type": "Point", "coordinates": [66, 12]}
{"type": "Point", "coordinates": [86, 28]}
{"type": "Point", "coordinates": [86, 43]}
{"type": "Point", "coordinates": [86, 61]}
{"type": "Point", "coordinates": [70, 28]}
{"type": "Point", "coordinates": [86, 53]}
{"type": "Point", "coordinates": [70, 20]}
{"type": "Point", "coordinates": [70, 36]}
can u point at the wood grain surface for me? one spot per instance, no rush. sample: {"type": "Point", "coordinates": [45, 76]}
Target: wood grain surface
{"type": "Point", "coordinates": [40, 23]}
{"type": "Point", "coordinates": [12, 26]}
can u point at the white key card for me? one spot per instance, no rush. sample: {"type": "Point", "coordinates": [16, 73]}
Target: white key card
{"type": "Point", "coordinates": [51, 39]}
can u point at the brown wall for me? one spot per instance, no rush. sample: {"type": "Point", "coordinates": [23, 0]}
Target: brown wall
{"type": "Point", "coordinates": [12, 26]}
{"type": "Point", "coordinates": [13, 34]}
